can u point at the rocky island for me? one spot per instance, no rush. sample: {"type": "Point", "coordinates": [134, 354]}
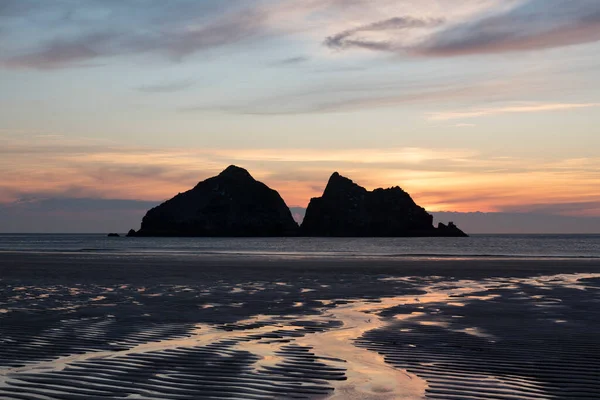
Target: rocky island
{"type": "Point", "coordinates": [348, 210]}
{"type": "Point", "coordinates": [232, 203]}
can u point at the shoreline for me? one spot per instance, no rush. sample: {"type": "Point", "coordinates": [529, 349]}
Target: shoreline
{"type": "Point", "coordinates": [90, 266]}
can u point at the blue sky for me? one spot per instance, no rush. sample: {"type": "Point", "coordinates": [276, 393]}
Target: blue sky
{"type": "Point", "coordinates": [471, 105]}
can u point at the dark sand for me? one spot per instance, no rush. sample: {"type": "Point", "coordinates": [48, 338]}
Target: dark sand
{"type": "Point", "coordinates": [84, 326]}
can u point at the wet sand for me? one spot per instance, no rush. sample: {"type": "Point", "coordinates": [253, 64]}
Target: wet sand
{"type": "Point", "coordinates": [84, 326]}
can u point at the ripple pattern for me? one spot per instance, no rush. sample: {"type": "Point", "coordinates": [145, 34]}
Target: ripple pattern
{"type": "Point", "coordinates": [552, 353]}
{"type": "Point", "coordinates": [213, 371]}
{"type": "Point", "coordinates": [494, 338]}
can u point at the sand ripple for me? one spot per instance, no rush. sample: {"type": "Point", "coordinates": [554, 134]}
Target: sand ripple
{"type": "Point", "coordinates": [524, 346]}
{"type": "Point", "coordinates": [340, 336]}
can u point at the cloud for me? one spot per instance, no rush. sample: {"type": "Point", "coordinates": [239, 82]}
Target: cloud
{"type": "Point", "coordinates": [97, 215]}
{"type": "Point", "coordinates": [156, 29]}
{"type": "Point", "coordinates": [516, 109]}
{"type": "Point", "coordinates": [167, 87]}
{"type": "Point", "coordinates": [498, 28]}
{"type": "Point", "coordinates": [37, 202]}
{"type": "Point", "coordinates": [292, 61]}
{"type": "Point", "coordinates": [566, 208]}
{"type": "Point", "coordinates": [63, 34]}
{"type": "Point", "coordinates": [532, 25]}
{"type": "Point", "coordinates": [75, 168]}
{"type": "Point", "coordinates": [337, 70]}
{"type": "Point", "coordinates": [222, 31]}
{"type": "Point", "coordinates": [59, 53]}
{"type": "Point", "coordinates": [72, 215]}
{"type": "Point", "coordinates": [439, 179]}
{"type": "Point", "coordinates": [519, 222]}
{"type": "Point", "coordinates": [370, 94]}
{"type": "Point", "coordinates": [464, 125]}
{"type": "Point", "coordinates": [352, 37]}
{"type": "Point", "coordinates": [507, 222]}
{"type": "Point", "coordinates": [406, 155]}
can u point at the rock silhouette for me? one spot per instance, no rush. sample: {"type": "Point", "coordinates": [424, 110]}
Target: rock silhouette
{"type": "Point", "coordinates": [347, 209]}
{"type": "Point", "coordinates": [450, 230]}
{"type": "Point", "coordinates": [233, 203]}
{"type": "Point", "coordinates": [230, 204]}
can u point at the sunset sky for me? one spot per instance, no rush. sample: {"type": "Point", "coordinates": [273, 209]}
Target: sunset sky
{"type": "Point", "coordinates": [469, 105]}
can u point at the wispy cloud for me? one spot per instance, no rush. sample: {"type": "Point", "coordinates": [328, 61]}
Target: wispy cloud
{"type": "Point", "coordinates": [531, 25]}
{"type": "Point", "coordinates": [38, 213]}
{"type": "Point", "coordinates": [364, 95]}
{"type": "Point", "coordinates": [521, 108]}
{"type": "Point", "coordinates": [464, 125]}
{"type": "Point", "coordinates": [61, 52]}
{"type": "Point", "coordinates": [499, 28]}
{"type": "Point", "coordinates": [60, 34]}
{"type": "Point", "coordinates": [173, 32]}
{"type": "Point", "coordinates": [167, 87]}
{"type": "Point", "coordinates": [561, 208]}
{"type": "Point", "coordinates": [291, 61]}
{"type": "Point", "coordinates": [354, 37]}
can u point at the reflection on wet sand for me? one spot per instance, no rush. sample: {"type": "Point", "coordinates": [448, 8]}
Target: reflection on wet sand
{"type": "Point", "coordinates": [338, 336]}
{"type": "Point", "coordinates": [369, 376]}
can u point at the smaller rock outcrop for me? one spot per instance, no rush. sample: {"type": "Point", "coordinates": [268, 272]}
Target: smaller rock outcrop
{"type": "Point", "coordinates": [113, 235]}
{"type": "Point", "coordinates": [232, 203]}
{"type": "Point", "coordinates": [347, 209]}
{"type": "Point", "coordinates": [450, 230]}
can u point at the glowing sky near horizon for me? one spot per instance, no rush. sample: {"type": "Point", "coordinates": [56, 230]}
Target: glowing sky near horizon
{"type": "Point", "coordinates": [469, 105]}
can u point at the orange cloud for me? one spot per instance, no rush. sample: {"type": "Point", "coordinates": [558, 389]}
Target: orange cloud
{"type": "Point", "coordinates": [520, 108]}
{"type": "Point", "coordinates": [438, 179]}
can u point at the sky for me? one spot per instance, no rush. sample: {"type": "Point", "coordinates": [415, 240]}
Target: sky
{"type": "Point", "coordinates": [469, 105]}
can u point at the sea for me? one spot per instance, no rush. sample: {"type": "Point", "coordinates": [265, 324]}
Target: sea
{"type": "Point", "coordinates": [476, 246]}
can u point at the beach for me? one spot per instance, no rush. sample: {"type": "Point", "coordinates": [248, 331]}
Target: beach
{"type": "Point", "coordinates": [90, 325]}
{"type": "Point", "coordinates": [299, 199]}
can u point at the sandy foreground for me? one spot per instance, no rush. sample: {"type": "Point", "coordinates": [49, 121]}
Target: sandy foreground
{"type": "Point", "coordinates": [91, 326]}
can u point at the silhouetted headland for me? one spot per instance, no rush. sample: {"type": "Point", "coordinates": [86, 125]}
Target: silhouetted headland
{"type": "Point", "coordinates": [233, 203]}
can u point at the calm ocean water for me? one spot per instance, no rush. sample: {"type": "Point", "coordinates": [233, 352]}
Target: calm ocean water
{"type": "Point", "coordinates": [485, 246]}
